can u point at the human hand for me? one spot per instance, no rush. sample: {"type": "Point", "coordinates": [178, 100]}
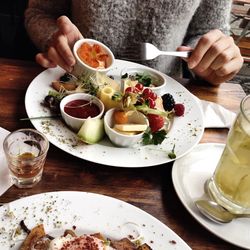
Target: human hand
{"type": "Point", "coordinates": [216, 58]}
{"type": "Point", "coordinates": [60, 47]}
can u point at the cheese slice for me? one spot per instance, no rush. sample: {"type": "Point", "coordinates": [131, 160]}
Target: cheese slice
{"type": "Point", "coordinates": [126, 132]}
{"type": "Point", "coordinates": [131, 127]}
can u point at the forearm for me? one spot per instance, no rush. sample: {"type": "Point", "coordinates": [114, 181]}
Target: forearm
{"type": "Point", "coordinates": [40, 19]}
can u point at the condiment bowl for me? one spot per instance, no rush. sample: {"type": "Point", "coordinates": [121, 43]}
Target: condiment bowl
{"type": "Point", "coordinates": [81, 67]}
{"type": "Point", "coordinates": [119, 139]}
{"type": "Point", "coordinates": [74, 122]}
{"type": "Point", "coordinates": [158, 79]}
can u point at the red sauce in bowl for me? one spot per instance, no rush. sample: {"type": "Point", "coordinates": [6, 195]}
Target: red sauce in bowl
{"type": "Point", "coordinates": [81, 109]}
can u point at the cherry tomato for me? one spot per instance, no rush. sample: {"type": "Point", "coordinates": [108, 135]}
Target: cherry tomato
{"type": "Point", "coordinates": [147, 92]}
{"type": "Point", "coordinates": [129, 90]}
{"type": "Point", "coordinates": [153, 95]}
{"type": "Point", "coordinates": [151, 103]}
{"type": "Point", "coordinates": [139, 86]}
{"type": "Point", "coordinates": [120, 117]}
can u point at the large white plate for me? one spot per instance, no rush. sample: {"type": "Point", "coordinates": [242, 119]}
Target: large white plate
{"type": "Point", "coordinates": [89, 213]}
{"type": "Point", "coordinates": [189, 175]}
{"type": "Point", "coordinates": [186, 131]}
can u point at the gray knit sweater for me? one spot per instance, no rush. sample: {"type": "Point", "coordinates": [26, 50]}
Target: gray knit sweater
{"type": "Point", "coordinates": [117, 23]}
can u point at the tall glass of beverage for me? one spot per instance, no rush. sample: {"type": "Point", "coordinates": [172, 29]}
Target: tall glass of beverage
{"type": "Point", "coordinates": [230, 183]}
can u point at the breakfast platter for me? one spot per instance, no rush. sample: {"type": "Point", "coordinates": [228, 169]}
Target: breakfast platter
{"type": "Point", "coordinates": [186, 130]}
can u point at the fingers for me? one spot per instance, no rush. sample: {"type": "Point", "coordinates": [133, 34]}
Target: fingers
{"type": "Point", "coordinates": [203, 46]}
{"type": "Point", "coordinates": [184, 48]}
{"type": "Point", "coordinates": [68, 29]}
{"type": "Point", "coordinates": [64, 24]}
{"type": "Point", "coordinates": [55, 56]}
{"type": "Point", "coordinates": [61, 44]}
{"type": "Point", "coordinates": [231, 67]}
{"type": "Point", "coordinates": [43, 60]}
{"type": "Point", "coordinates": [217, 53]}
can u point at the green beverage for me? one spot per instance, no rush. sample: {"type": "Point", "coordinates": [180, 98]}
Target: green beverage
{"type": "Point", "coordinates": [230, 183]}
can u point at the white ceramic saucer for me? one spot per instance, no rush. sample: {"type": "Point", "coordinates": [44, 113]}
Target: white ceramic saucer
{"type": "Point", "coordinates": [189, 174]}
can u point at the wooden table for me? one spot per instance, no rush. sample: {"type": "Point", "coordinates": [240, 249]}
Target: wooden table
{"type": "Point", "coordinates": [150, 189]}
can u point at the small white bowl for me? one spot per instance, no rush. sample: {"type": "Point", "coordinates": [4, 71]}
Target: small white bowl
{"type": "Point", "coordinates": [73, 122]}
{"type": "Point", "coordinates": [82, 68]}
{"type": "Point", "coordinates": [119, 139]}
{"type": "Point", "coordinates": [158, 76]}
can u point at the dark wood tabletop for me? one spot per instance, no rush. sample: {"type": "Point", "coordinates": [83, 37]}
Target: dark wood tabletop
{"type": "Point", "coordinates": [150, 189]}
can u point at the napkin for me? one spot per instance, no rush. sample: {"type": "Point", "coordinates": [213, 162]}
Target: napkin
{"type": "Point", "coordinates": [5, 181]}
{"type": "Point", "coordinates": [216, 116]}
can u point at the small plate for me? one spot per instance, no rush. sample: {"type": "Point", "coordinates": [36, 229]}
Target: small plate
{"type": "Point", "coordinates": [189, 175]}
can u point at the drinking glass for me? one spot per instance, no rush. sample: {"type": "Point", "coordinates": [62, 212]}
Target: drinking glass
{"type": "Point", "coordinates": [25, 151]}
{"type": "Point", "coordinates": [230, 183]}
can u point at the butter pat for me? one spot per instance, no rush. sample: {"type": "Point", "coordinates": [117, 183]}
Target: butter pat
{"type": "Point", "coordinates": [131, 127]}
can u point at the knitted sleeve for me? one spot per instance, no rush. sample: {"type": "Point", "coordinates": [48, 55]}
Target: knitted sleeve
{"type": "Point", "coordinates": [40, 19]}
{"type": "Point", "coordinates": [211, 14]}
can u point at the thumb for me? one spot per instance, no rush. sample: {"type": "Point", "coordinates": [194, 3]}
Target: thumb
{"type": "Point", "coordinates": [68, 29]}
{"type": "Point", "coordinates": [184, 48]}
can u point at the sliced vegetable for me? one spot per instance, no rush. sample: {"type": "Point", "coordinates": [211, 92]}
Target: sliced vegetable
{"type": "Point", "coordinates": [91, 131]}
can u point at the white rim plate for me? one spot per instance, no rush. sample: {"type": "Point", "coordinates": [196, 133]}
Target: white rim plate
{"type": "Point", "coordinates": [185, 133]}
{"type": "Point", "coordinates": [89, 213]}
{"type": "Point", "coordinates": [189, 175]}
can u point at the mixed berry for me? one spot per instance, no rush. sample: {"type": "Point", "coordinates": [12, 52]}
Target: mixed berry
{"type": "Point", "coordinates": [148, 98]}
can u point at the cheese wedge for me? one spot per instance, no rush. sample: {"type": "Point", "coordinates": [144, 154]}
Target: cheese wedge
{"type": "Point", "coordinates": [131, 127]}
{"type": "Point", "coordinates": [103, 80]}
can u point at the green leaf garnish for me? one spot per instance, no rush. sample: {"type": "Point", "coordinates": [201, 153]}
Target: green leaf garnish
{"type": "Point", "coordinates": [146, 80]}
{"type": "Point", "coordinates": [154, 138]}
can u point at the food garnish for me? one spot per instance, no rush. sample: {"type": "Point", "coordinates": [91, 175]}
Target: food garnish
{"type": "Point", "coordinates": [172, 154]}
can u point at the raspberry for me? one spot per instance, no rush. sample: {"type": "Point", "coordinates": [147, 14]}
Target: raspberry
{"type": "Point", "coordinates": [179, 109]}
{"type": "Point", "coordinates": [168, 102]}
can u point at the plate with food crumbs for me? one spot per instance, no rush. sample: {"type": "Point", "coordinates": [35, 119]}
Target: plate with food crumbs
{"type": "Point", "coordinates": [57, 219]}
{"type": "Point", "coordinates": [184, 133]}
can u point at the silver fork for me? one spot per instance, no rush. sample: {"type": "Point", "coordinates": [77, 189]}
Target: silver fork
{"type": "Point", "coordinates": [147, 51]}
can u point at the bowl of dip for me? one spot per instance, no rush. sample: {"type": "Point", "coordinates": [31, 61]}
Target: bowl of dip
{"type": "Point", "coordinates": [91, 56]}
{"type": "Point", "coordinates": [149, 78]}
{"type": "Point", "coordinates": [78, 107]}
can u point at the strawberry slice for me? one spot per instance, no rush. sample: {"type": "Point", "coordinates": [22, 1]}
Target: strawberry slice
{"type": "Point", "coordinates": [156, 122]}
